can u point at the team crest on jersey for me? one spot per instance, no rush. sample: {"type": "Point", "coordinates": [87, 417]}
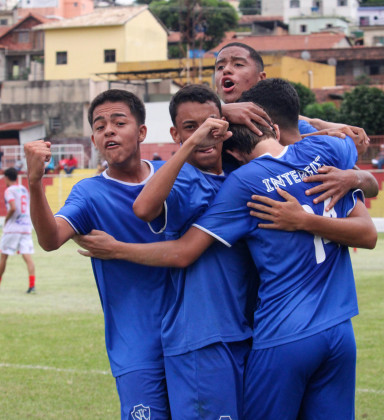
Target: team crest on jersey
{"type": "Point", "coordinates": [140, 412]}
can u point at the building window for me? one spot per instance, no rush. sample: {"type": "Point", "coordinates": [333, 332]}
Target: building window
{"type": "Point", "coordinates": [303, 29]}
{"type": "Point", "coordinates": [364, 20]}
{"type": "Point", "coordinates": [294, 3]}
{"type": "Point", "coordinates": [109, 56]}
{"type": "Point", "coordinates": [61, 57]}
{"type": "Point", "coordinates": [55, 123]}
{"type": "Point", "coordinates": [3, 22]}
{"type": "Point", "coordinates": [23, 37]}
{"type": "Point", "coordinates": [378, 41]}
{"type": "Point", "coordinates": [342, 2]}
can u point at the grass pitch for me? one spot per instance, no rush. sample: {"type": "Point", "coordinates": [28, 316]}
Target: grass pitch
{"type": "Point", "coordinates": [53, 362]}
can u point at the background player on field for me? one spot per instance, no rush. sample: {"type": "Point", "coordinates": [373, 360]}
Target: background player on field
{"type": "Point", "coordinates": [134, 297]}
{"type": "Point", "coordinates": [238, 68]}
{"type": "Point", "coordinates": [206, 333]}
{"type": "Point", "coordinates": [307, 294]}
{"type": "Point", "coordinates": [17, 230]}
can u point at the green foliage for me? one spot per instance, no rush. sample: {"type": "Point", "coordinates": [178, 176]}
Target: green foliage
{"type": "Point", "coordinates": [326, 111]}
{"type": "Point", "coordinates": [212, 18]}
{"type": "Point", "coordinates": [305, 94]}
{"type": "Point", "coordinates": [364, 107]}
{"type": "Point", "coordinates": [249, 7]}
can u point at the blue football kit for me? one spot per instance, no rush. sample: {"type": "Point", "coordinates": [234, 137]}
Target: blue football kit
{"type": "Point", "coordinates": [134, 297]}
{"type": "Point", "coordinates": [306, 285]}
{"type": "Point", "coordinates": [215, 300]}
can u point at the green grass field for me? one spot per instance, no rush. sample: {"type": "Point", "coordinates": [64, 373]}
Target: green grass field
{"type": "Point", "coordinates": [53, 363]}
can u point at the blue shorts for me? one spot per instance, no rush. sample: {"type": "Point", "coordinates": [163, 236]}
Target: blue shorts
{"type": "Point", "coordinates": [143, 395]}
{"type": "Point", "coordinates": [207, 383]}
{"type": "Point", "coordinates": [311, 379]}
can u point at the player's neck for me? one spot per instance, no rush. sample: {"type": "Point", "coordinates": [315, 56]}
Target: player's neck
{"type": "Point", "coordinates": [289, 136]}
{"type": "Point", "coordinates": [134, 173]}
{"type": "Point", "coordinates": [270, 146]}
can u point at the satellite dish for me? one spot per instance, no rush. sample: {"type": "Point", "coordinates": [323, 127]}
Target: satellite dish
{"type": "Point", "coordinates": [332, 61]}
{"type": "Point", "coordinates": [305, 55]}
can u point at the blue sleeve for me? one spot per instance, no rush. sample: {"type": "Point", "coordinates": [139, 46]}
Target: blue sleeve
{"type": "Point", "coordinates": [228, 219]}
{"type": "Point", "coordinates": [306, 128]}
{"type": "Point", "coordinates": [187, 200]}
{"type": "Point", "coordinates": [75, 210]}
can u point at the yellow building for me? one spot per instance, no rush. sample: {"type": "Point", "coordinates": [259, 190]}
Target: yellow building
{"type": "Point", "coordinates": [85, 46]}
{"type": "Point", "coordinates": [309, 73]}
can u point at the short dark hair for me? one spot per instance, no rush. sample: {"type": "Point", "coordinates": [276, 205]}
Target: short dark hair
{"type": "Point", "coordinates": [134, 103]}
{"type": "Point", "coordinates": [255, 56]}
{"type": "Point", "coordinates": [244, 139]}
{"type": "Point", "coordinates": [11, 174]}
{"type": "Point", "coordinates": [279, 99]}
{"type": "Point", "coordinates": [192, 93]}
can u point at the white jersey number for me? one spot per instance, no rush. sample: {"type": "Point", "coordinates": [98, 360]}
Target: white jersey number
{"type": "Point", "coordinates": [318, 240]}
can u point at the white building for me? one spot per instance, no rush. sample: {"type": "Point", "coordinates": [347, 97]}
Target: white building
{"type": "Point", "coordinates": [371, 16]}
{"type": "Point", "coordinates": [299, 8]}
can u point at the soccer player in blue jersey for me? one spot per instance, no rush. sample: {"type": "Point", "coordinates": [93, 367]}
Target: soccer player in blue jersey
{"type": "Point", "coordinates": [206, 334]}
{"type": "Point", "coordinates": [134, 297]}
{"type": "Point", "coordinates": [238, 68]}
{"type": "Point", "coordinates": [303, 360]}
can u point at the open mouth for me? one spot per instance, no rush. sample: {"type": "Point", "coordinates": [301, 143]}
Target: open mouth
{"type": "Point", "coordinates": [110, 144]}
{"type": "Point", "coordinates": [228, 85]}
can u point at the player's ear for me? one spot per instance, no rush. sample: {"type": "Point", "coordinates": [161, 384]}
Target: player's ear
{"type": "Point", "coordinates": [175, 135]}
{"type": "Point", "coordinates": [93, 141]}
{"type": "Point", "coordinates": [277, 131]}
{"type": "Point", "coordinates": [142, 132]}
{"type": "Point", "coordinates": [236, 154]}
{"type": "Point", "coordinates": [262, 75]}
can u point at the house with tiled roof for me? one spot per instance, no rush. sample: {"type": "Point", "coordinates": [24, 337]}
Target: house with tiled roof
{"type": "Point", "coordinates": [263, 25]}
{"type": "Point", "coordinates": [285, 43]}
{"type": "Point", "coordinates": [20, 47]}
{"type": "Point", "coordinates": [108, 36]}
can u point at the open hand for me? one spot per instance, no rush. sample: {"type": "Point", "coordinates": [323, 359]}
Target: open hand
{"type": "Point", "coordinates": [283, 215]}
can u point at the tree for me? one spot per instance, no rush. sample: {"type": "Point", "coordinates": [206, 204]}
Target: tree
{"type": "Point", "coordinates": [202, 23]}
{"type": "Point", "coordinates": [326, 111]}
{"type": "Point", "coordinates": [306, 96]}
{"type": "Point", "coordinates": [364, 107]}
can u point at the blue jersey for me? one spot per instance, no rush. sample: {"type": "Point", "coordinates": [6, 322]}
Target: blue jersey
{"type": "Point", "coordinates": [134, 297]}
{"type": "Point", "coordinates": [214, 293]}
{"type": "Point", "coordinates": [306, 128]}
{"type": "Point", "coordinates": [306, 282]}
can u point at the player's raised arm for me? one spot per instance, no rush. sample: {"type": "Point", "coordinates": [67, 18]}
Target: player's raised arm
{"type": "Point", "coordinates": [51, 233]}
{"type": "Point", "coordinates": [179, 253]}
{"type": "Point", "coordinates": [149, 204]}
{"type": "Point", "coordinates": [356, 230]}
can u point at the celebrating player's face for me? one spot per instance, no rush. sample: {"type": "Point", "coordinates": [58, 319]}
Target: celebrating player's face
{"type": "Point", "coordinates": [190, 116]}
{"type": "Point", "coordinates": [116, 132]}
{"type": "Point", "coordinates": [235, 72]}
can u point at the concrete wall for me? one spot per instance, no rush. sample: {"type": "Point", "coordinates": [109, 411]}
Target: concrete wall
{"type": "Point", "coordinates": [44, 100]}
{"type": "Point", "coordinates": [68, 101]}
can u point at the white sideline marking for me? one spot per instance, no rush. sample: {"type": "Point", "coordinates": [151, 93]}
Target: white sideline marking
{"type": "Point", "coordinates": [104, 372]}
{"type": "Point", "coordinates": [37, 367]}
{"type": "Point", "coordinates": [370, 391]}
